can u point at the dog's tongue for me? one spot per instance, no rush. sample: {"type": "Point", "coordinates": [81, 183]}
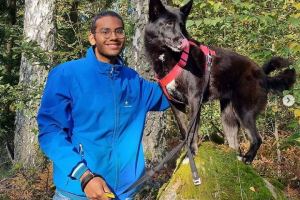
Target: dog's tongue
{"type": "Point", "coordinates": [184, 44]}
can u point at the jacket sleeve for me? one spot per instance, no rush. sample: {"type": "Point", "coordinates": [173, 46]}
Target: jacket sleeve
{"type": "Point", "coordinates": [55, 124]}
{"type": "Point", "coordinates": [153, 96]}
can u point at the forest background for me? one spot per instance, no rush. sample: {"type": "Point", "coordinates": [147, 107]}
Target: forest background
{"type": "Point", "coordinates": [257, 29]}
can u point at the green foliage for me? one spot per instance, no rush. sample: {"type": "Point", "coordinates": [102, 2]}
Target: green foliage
{"type": "Point", "coordinates": [10, 31]}
{"type": "Point", "coordinates": [293, 139]}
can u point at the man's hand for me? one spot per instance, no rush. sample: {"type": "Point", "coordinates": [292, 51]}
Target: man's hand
{"type": "Point", "coordinates": [96, 188]}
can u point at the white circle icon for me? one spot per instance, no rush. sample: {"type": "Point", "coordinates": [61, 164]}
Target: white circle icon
{"type": "Point", "coordinates": [288, 100]}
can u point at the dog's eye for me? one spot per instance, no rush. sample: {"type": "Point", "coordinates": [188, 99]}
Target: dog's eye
{"type": "Point", "coordinates": [170, 24]}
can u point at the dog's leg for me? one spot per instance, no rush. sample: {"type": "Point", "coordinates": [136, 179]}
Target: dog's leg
{"type": "Point", "coordinates": [247, 101]}
{"type": "Point", "coordinates": [248, 122]}
{"type": "Point", "coordinates": [246, 116]}
{"type": "Point", "coordinates": [230, 124]}
{"type": "Point", "coordinates": [193, 142]}
{"type": "Point", "coordinates": [180, 116]}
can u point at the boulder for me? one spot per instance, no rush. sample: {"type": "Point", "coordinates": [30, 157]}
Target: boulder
{"type": "Point", "coordinates": [222, 175]}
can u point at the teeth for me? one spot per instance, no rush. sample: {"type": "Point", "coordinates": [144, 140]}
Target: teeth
{"type": "Point", "coordinates": [113, 45]}
{"type": "Point", "coordinates": [174, 49]}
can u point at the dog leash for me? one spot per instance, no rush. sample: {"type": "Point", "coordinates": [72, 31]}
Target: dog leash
{"type": "Point", "coordinates": [196, 179]}
{"type": "Point", "coordinates": [152, 171]}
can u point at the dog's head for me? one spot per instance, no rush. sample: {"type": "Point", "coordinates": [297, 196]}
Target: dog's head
{"type": "Point", "coordinates": [166, 26]}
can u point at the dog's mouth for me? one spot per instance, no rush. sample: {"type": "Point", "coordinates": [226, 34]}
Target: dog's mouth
{"type": "Point", "coordinates": [178, 48]}
{"type": "Point", "coordinates": [184, 44]}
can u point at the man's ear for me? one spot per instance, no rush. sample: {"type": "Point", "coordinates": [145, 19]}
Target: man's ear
{"type": "Point", "coordinates": [186, 9]}
{"type": "Point", "coordinates": [92, 39]}
{"type": "Point", "coordinates": [155, 8]}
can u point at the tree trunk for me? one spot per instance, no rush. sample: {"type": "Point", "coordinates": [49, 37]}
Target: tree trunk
{"type": "Point", "coordinates": [153, 140]}
{"type": "Point", "coordinates": [39, 26]}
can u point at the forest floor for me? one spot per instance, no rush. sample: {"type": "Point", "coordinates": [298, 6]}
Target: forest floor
{"type": "Point", "coordinates": [283, 166]}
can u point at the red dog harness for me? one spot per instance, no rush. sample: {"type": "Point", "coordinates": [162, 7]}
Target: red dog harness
{"type": "Point", "coordinates": [181, 64]}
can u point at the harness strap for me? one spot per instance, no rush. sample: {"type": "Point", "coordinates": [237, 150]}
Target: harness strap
{"type": "Point", "coordinates": [172, 75]}
{"type": "Point", "coordinates": [177, 69]}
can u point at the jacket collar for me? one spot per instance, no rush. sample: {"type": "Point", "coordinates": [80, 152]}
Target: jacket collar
{"type": "Point", "coordinates": [104, 68]}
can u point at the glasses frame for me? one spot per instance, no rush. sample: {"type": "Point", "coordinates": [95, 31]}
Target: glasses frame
{"type": "Point", "coordinates": [108, 29]}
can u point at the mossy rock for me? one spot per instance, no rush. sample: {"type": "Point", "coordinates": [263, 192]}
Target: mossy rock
{"type": "Point", "coordinates": [222, 176]}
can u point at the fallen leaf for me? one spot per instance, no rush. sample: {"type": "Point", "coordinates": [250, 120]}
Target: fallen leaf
{"type": "Point", "coordinates": [297, 113]}
{"type": "Point", "coordinates": [297, 6]}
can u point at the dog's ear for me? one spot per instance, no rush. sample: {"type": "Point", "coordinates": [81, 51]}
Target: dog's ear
{"type": "Point", "coordinates": [155, 8]}
{"type": "Point", "coordinates": [186, 9]}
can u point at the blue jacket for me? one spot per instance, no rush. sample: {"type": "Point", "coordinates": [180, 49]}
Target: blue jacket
{"type": "Point", "coordinates": [92, 116]}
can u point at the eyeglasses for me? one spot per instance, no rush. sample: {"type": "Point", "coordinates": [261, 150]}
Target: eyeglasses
{"type": "Point", "coordinates": [106, 32]}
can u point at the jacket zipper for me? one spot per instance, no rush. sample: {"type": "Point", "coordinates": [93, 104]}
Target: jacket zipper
{"type": "Point", "coordinates": [111, 72]}
{"type": "Point", "coordinates": [115, 128]}
{"type": "Point", "coordinates": [81, 150]}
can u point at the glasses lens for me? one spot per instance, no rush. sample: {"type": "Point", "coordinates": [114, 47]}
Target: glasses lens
{"type": "Point", "coordinates": [120, 33]}
{"type": "Point", "coordinates": [106, 32]}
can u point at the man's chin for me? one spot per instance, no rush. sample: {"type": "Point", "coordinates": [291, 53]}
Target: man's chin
{"type": "Point", "coordinates": [112, 54]}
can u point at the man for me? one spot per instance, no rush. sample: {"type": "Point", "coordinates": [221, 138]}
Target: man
{"type": "Point", "coordinates": [92, 118]}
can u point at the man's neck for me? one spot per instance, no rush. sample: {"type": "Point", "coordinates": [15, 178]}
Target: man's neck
{"type": "Point", "coordinates": [104, 59]}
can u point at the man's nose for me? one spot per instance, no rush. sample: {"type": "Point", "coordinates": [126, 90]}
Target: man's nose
{"type": "Point", "coordinates": [113, 35]}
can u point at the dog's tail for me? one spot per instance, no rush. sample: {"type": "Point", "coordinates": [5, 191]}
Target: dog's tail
{"type": "Point", "coordinates": [282, 81]}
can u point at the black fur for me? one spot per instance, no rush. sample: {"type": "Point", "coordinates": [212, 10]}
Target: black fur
{"type": "Point", "coordinates": [238, 82]}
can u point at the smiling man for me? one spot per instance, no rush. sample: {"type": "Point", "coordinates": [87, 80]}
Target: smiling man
{"type": "Point", "coordinates": [92, 118]}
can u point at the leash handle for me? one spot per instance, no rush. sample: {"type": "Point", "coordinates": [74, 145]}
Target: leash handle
{"type": "Point", "coordinates": [196, 178]}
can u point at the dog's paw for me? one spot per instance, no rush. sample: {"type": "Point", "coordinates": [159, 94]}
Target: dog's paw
{"type": "Point", "coordinates": [240, 158]}
{"type": "Point", "coordinates": [245, 159]}
{"type": "Point", "coordinates": [186, 161]}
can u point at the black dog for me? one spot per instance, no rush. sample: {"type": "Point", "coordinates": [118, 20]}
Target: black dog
{"type": "Point", "coordinates": [238, 82]}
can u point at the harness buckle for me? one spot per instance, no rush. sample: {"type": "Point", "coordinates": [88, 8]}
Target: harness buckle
{"type": "Point", "coordinates": [197, 182]}
{"type": "Point", "coordinates": [209, 58]}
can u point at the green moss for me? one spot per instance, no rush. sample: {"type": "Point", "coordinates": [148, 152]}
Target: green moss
{"type": "Point", "coordinates": [222, 176]}
{"type": "Point", "coordinates": [278, 187]}
{"type": "Point", "coordinates": [276, 183]}
{"type": "Point", "coordinates": [148, 155]}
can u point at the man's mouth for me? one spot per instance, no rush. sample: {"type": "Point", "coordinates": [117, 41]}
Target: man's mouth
{"type": "Point", "coordinates": [113, 46]}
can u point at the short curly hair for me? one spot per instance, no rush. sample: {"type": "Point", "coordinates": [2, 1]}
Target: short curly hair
{"type": "Point", "coordinates": [104, 14]}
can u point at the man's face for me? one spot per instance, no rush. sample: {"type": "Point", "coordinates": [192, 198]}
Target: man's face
{"type": "Point", "coordinates": [107, 49]}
